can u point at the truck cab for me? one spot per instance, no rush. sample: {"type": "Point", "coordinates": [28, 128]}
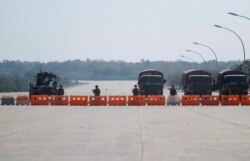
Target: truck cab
{"type": "Point", "coordinates": [233, 80]}
{"type": "Point", "coordinates": [151, 82]}
{"type": "Point", "coordinates": [197, 82]}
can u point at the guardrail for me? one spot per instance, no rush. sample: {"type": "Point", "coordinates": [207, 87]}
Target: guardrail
{"type": "Point", "coordinates": [119, 100]}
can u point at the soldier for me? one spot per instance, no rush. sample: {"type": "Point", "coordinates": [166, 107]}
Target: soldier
{"type": "Point", "coordinates": [173, 91]}
{"type": "Point", "coordinates": [135, 91]}
{"type": "Point", "coordinates": [60, 90]}
{"type": "Point", "coordinates": [96, 91]}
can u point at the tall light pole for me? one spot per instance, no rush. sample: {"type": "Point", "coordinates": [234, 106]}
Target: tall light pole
{"type": "Point", "coordinates": [199, 55]}
{"type": "Point", "coordinates": [196, 43]}
{"type": "Point", "coordinates": [234, 14]}
{"type": "Point", "coordinates": [189, 59]}
{"type": "Point", "coordinates": [244, 52]}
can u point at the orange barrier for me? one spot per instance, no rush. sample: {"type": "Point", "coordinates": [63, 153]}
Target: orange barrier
{"type": "Point", "coordinates": [117, 100]}
{"type": "Point", "coordinates": [98, 100]}
{"type": "Point", "coordinates": [39, 100]}
{"type": "Point", "coordinates": [78, 100]}
{"type": "Point", "coordinates": [22, 100]}
{"type": "Point", "coordinates": [245, 100]}
{"type": "Point", "coordinates": [230, 100]}
{"type": "Point", "coordinates": [156, 100]}
{"type": "Point", "coordinates": [190, 100]}
{"type": "Point", "coordinates": [210, 100]}
{"type": "Point", "coordinates": [136, 100]}
{"type": "Point", "coordinates": [59, 100]}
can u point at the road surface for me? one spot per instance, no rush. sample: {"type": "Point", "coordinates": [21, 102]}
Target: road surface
{"type": "Point", "coordinates": [174, 133]}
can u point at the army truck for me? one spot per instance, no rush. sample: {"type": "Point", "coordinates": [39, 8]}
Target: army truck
{"type": "Point", "coordinates": [197, 82]}
{"type": "Point", "coordinates": [151, 82]}
{"type": "Point", "coordinates": [46, 84]}
{"type": "Point", "coordinates": [232, 82]}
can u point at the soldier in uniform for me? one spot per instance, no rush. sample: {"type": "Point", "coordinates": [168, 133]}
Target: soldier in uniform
{"type": "Point", "coordinates": [60, 90]}
{"type": "Point", "coordinates": [173, 91]}
{"type": "Point", "coordinates": [96, 91]}
{"type": "Point", "coordinates": [135, 91]}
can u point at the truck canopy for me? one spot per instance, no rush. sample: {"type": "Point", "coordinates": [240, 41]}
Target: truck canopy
{"type": "Point", "coordinates": [150, 72]}
{"type": "Point", "coordinates": [196, 72]}
{"type": "Point", "coordinates": [193, 72]}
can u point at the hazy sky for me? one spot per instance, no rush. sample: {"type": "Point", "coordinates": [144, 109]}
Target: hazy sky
{"type": "Point", "coordinates": [129, 30]}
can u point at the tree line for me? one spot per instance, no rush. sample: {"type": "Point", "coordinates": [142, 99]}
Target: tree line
{"type": "Point", "coordinates": [16, 75]}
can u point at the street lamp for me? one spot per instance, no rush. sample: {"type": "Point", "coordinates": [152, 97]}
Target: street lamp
{"type": "Point", "coordinates": [234, 14]}
{"type": "Point", "coordinates": [244, 52]}
{"type": "Point", "coordinates": [189, 59]}
{"type": "Point", "coordinates": [196, 43]}
{"type": "Point", "coordinates": [199, 55]}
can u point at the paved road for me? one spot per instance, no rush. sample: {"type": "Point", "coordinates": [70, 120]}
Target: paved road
{"type": "Point", "coordinates": [124, 133]}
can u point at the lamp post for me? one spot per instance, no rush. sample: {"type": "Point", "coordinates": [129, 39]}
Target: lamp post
{"type": "Point", "coordinates": [217, 67]}
{"type": "Point", "coordinates": [199, 55]}
{"type": "Point", "coordinates": [189, 59]}
{"type": "Point", "coordinates": [234, 14]}
{"type": "Point", "coordinates": [244, 52]}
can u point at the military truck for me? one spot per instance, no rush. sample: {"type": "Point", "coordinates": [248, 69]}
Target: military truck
{"type": "Point", "coordinates": [197, 82]}
{"type": "Point", "coordinates": [46, 84]}
{"type": "Point", "coordinates": [151, 82]}
{"type": "Point", "coordinates": [233, 82]}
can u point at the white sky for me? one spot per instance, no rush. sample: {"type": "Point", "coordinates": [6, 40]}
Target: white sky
{"type": "Point", "coordinates": [129, 30]}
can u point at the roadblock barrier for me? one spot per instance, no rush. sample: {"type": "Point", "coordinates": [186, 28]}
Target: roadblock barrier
{"type": "Point", "coordinates": [155, 100]}
{"type": "Point", "coordinates": [98, 100]}
{"type": "Point", "coordinates": [78, 100]}
{"type": "Point", "coordinates": [59, 100]}
{"type": "Point", "coordinates": [8, 100]}
{"type": "Point", "coordinates": [190, 100]}
{"type": "Point", "coordinates": [210, 100]}
{"type": "Point", "coordinates": [22, 100]}
{"type": "Point", "coordinates": [136, 100]}
{"type": "Point", "coordinates": [232, 100]}
{"type": "Point", "coordinates": [117, 100]}
{"type": "Point", "coordinates": [245, 100]}
{"type": "Point", "coordinates": [39, 100]}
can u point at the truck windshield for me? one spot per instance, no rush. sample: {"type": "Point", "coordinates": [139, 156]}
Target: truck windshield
{"type": "Point", "coordinates": [236, 80]}
{"type": "Point", "coordinates": [200, 81]}
{"type": "Point", "coordinates": [151, 81]}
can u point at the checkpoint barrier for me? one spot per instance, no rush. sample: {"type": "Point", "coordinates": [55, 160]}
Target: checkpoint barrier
{"type": "Point", "coordinates": [78, 100]}
{"type": "Point", "coordinates": [210, 100]}
{"type": "Point", "coordinates": [233, 100]}
{"type": "Point", "coordinates": [190, 100]}
{"type": "Point", "coordinates": [137, 100]}
{"type": "Point", "coordinates": [22, 100]}
{"type": "Point", "coordinates": [141, 100]}
{"type": "Point", "coordinates": [7, 100]}
{"type": "Point", "coordinates": [245, 100]}
{"type": "Point", "coordinates": [39, 100]}
{"type": "Point", "coordinates": [156, 100]}
{"type": "Point", "coordinates": [98, 100]}
{"type": "Point", "coordinates": [117, 100]}
{"type": "Point", "coordinates": [59, 100]}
